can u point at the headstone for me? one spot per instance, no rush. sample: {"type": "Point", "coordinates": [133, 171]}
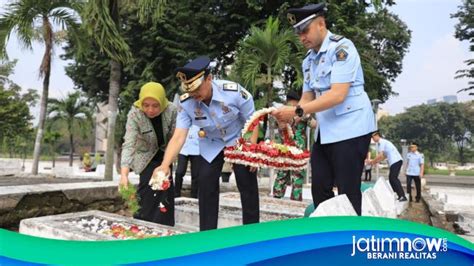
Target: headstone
{"type": "Point", "coordinates": [94, 225]}
{"type": "Point", "coordinates": [100, 169]}
{"type": "Point", "coordinates": [187, 214]}
{"type": "Point", "coordinates": [370, 204]}
{"type": "Point", "coordinates": [283, 206]}
{"type": "Point", "coordinates": [66, 172]}
{"type": "Point", "coordinates": [385, 197]}
{"type": "Point", "coordinates": [336, 206]}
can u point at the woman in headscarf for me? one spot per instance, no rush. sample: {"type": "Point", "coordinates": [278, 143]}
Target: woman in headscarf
{"type": "Point", "coordinates": [150, 125]}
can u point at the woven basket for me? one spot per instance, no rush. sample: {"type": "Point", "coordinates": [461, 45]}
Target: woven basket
{"type": "Point", "coordinates": [266, 154]}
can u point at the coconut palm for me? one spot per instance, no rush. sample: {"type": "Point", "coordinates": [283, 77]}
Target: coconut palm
{"type": "Point", "coordinates": [265, 54]}
{"type": "Point", "coordinates": [75, 112]}
{"type": "Point", "coordinates": [101, 19]}
{"type": "Point", "coordinates": [33, 20]}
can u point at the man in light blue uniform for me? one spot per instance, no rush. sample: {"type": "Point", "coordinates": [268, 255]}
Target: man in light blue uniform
{"type": "Point", "coordinates": [219, 108]}
{"type": "Point", "coordinates": [189, 152]}
{"type": "Point", "coordinates": [333, 89]}
{"type": "Point", "coordinates": [388, 151]}
{"type": "Point", "coordinates": [415, 169]}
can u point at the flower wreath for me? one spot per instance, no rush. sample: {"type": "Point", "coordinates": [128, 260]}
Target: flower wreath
{"type": "Point", "coordinates": [267, 154]}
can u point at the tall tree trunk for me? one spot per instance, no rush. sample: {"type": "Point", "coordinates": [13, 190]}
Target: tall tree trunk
{"type": "Point", "coordinates": [42, 118]}
{"type": "Point", "coordinates": [54, 158]}
{"type": "Point", "coordinates": [45, 70]}
{"type": "Point", "coordinates": [71, 145]}
{"type": "Point", "coordinates": [114, 88]}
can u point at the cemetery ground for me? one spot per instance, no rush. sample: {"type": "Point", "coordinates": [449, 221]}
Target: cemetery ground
{"type": "Point", "coordinates": [448, 201]}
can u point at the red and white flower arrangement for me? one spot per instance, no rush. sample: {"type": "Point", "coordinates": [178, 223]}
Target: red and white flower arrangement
{"type": "Point", "coordinates": [267, 154]}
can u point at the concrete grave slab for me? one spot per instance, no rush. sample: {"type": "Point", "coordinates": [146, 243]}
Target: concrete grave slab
{"type": "Point", "coordinates": [94, 225]}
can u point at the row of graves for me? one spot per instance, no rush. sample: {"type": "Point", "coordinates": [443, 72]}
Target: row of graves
{"type": "Point", "coordinates": [101, 225]}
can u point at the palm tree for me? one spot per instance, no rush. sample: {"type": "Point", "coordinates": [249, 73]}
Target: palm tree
{"type": "Point", "coordinates": [33, 20]}
{"type": "Point", "coordinates": [265, 54]}
{"type": "Point", "coordinates": [73, 111]}
{"type": "Point", "coordinates": [102, 20]}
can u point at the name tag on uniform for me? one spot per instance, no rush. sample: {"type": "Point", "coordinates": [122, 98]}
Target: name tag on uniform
{"type": "Point", "coordinates": [200, 118]}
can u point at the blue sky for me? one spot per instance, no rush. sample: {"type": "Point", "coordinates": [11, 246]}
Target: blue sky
{"type": "Point", "coordinates": [428, 68]}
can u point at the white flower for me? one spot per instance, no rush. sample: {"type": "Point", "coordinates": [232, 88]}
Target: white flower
{"type": "Point", "coordinates": [157, 180]}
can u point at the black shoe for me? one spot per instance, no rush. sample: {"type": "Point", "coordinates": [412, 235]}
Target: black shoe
{"type": "Point", "coordinates": [403, 198]}
{"type": "Point", "coordinates": [417, 200]}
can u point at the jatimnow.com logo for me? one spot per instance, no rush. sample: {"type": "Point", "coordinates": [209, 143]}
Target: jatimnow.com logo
{"type": "Point", "coordinates": [382, 248]}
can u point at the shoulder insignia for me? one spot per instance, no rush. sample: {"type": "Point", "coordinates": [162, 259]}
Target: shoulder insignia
{"type": "Point", "coordinates": [230, 87]}
{"type": "Point", "coordinates": [245, 94]}
{"type": "Point", "coordinates": [184, 97]}
{"type": "Point", "coordinates": [341, 55]}
{"type": "Point", "coordinates": [335, 37]}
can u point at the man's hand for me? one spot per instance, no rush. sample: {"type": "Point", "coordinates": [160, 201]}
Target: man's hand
{"type": "Point", "coordinates": [285, 113]}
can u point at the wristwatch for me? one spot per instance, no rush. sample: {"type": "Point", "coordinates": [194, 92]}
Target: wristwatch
{"type": "Point", "coordinates": [299, 111]}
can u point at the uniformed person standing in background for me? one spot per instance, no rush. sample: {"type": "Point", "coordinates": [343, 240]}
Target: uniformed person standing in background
{"type": "Point", "coordinates": [333, 88]}
{"type": "Point", "coordinates": [220, 109]}
{"type": "Point", "coordinates": [188, 153]}
{"type": "Point", "coordinates": [388, 151]}
{"type": "Point", "coordinates": [415, 169]}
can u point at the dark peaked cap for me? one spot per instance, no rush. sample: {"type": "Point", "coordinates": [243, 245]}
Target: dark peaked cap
{"type": "Point", "coordinates": [299, 18]}
{"type": "Point", "coordinates": [191, 74]}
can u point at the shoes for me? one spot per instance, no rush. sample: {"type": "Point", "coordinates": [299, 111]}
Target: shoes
{"type": "Point", "coordinates": [417, 200]}
{"type": "Point", "coordinates": [403, 198]}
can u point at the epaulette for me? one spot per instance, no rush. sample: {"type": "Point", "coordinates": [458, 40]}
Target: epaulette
{"type": "Point", "coordinates": [335, 37]}
{"type": "Point", "coordinates": [230, 87]}
{"type": "Point", "coordinates": [184, 97]}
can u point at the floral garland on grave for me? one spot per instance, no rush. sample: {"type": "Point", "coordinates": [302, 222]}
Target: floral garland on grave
{"type": "Point", "coordinates": [160, 182]}
{"type": "Point", "coordinates": [267, 154]}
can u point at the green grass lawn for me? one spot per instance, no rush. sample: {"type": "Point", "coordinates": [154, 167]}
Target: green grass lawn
{"type": "Point", "coordinates": [446, 172]}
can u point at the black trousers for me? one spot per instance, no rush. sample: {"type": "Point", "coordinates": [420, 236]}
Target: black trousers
{"type": "Point", "coordinates": [208, 176]}
{"type": "Point", "coordinates": [339, 164]}
{"type": "Point", "coordinates": [393, 178]}
{"type": "Point", "coordinates": [149, 200]}
{"type": "Point", "coordinates": [417, 180]}
{"type": "Point", "coordinates": [181, 172]}
{"type": "Point", "coordinates": [368, 173]}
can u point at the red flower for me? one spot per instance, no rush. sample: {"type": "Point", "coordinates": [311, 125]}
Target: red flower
{"type": "Point", "coordinates": [166, 184]}
{"type": "Point", "coordinates": [163, 209]}
{"type": "Point", "coordinates": [134, 229]}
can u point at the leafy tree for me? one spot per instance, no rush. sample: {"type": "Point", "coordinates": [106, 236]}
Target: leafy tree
{"type": "Point", "coordinates": [15, 116]}
{"type": "Point", "coordinates": [51, 138]}
{"type": "Point", "coordinates": [72, 110]}
{"type": "Point", "coordinates": [464, 30]}
{"type": "Point", "coordinates": [264, 54]}
{"type": "Point", "coordinates": [26, 18]}
{"type": "Point", "coordinates": [102, 21]}
{"type": "Point", "coordinates": [214, 28]}
{"type": "Point", "coordinates": [436, 128]}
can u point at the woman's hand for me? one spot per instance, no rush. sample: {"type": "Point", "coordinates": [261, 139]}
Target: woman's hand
{"type": "Point", "coordinates": [123, 182]}
{"type": "Point", "coordinates": [162, 168]}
